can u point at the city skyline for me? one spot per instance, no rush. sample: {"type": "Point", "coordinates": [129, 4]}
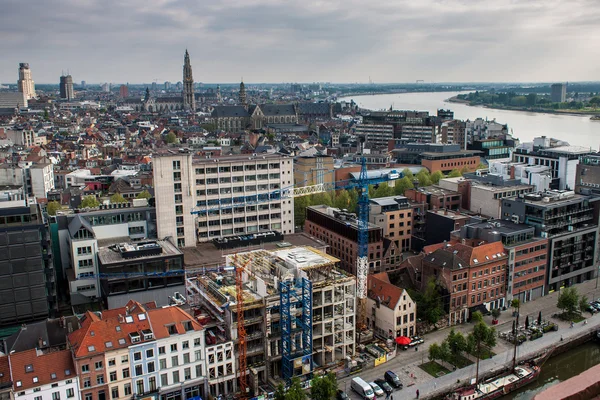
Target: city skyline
{"type": "Point", "coordinates": [272, 41]}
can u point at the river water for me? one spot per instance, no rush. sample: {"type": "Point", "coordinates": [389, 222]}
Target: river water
{"type": "Point", "coordinates": [561, 368]}
{"type": "Point", "coordinates": [577, 130]}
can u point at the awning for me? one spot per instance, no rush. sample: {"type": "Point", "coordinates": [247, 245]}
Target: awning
{"type": "Point", "coordinates": [481, 308]}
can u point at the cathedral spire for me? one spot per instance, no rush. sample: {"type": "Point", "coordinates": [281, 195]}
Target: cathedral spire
{"type": "Point", "coordinates": [189, 100]}
{"type": "Point", "coordinates": [242, 93]}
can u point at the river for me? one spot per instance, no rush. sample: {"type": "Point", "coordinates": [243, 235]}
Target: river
{"type": "Point", "coordinates": [561, 368]}
{"type": "Point", "coordinates": [577, 130]}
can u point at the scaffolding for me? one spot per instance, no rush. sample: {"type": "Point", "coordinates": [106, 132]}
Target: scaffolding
{"type": "Point", "coordinates": [299, 296]}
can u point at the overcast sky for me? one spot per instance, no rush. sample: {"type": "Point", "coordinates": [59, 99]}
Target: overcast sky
{"type": "Point", "coordinates": [301, 41]}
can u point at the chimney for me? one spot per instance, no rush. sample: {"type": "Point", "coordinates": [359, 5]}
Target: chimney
{"type": "Point", "coordinates": [126, 310]}
{"type": "Point", "coordinates": [40, 342]}
{"type": "Point", "coordinates": [512, 172]}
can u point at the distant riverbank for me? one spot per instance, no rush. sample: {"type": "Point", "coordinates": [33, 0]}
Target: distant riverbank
{"type": "Point", "coordinates": [455, 99]}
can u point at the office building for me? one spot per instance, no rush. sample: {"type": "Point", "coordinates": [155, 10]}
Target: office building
{"type": "Point", "coordinates": [493, 148]}
{"type": "Point", "coordinates": [390, 310]}
{"type": "Point", "coordinates": [556, 154]}
{"type": "Point", "coordinates": [376, 136]}
{"type": "Point", "coordinates": [587, 175]}
{"type": "Point", "coordinates": [124, 91]}
{"type": "Point", "coordinates": [441, 223]}
{"type": "Point", "coordinates": [148, 257]}
{"type": "Point", "coordinates": [11, 101]}
{"type": "Point", "coordinates": [527, 254]}
{"type": "Point", "coordinates": [472, 278]}
{"type": "Point", "coordinates": [437, 157]}
{"type": "Point", "coordinates": [558, 92]}
{"type": "Point", "coordinates": [394, 215]}
{"type": "Point", "coordinates": [27, 277]}
{"type": "Point", "coordinates": [25, 83]}
{"type": "Point", "coordinates": [236, 190]}
{"type": "Point", "coordinates": [540, 176]}
{"type": "Point", "coordinates": [66, 88]}
{"type": "Point", "coordinates": [567, 220]}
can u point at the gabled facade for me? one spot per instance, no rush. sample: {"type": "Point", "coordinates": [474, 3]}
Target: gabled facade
{"type": "Point", "coordinates": [391, 312]}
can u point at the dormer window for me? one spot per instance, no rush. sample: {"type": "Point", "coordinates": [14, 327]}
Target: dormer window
{"type": "Point", "coordinates": [135, 337]}
{"type": "Point", "coordinates": [187, 325]}
{"type": "Point", "coordinates": [172, 330]}
{"type": "Point", "coordinates": [148, 335]}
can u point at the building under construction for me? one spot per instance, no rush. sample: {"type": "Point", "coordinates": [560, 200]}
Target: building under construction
{"type": "Point", "coordinates": [298, 310]}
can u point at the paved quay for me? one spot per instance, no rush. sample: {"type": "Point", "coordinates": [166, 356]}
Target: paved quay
{"type": "Point", "coordinates": [406, 364]}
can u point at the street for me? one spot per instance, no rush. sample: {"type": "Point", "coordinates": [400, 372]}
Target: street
{"type": "Point", "coordinates": [406, 364]}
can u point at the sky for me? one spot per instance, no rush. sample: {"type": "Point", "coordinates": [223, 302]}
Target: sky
{"type": "Point", "coordinates": [140, 41]}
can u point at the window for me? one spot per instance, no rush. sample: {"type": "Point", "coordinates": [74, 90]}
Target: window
{"type": "Point", "coordinates": [164, 380]}
{"type": "Point", "coordinates": [114, 392]}
{"type": "Point", "coordinates": [186, 358]}
{"type": "Point", "coordinates": [174, 345]}
{"type": "Point", "coordinates": [187, 374]}
{"type": "Point", "coordinates": [150, 367]}
{"type": "Point", "coordinates": [111, 362]}
{"type": "Point", "coordinates": [139, 386]}
{"type": "Point", "coordinates": [174, 361]}
{"type": "Point", "coordinates": [198, 371]}
{"type": "Point", "coordinates": [185, 345]}
{"type": "Point", "coordinates": [139, 370]}
{"type": "Point", "coordinates": [197, 342]}
{"type": "Point", "coordinates": [163, 363]}
{"type": "Point", "coordinates": [127, 389]}
{"type": "Point", "coordinates": [198, 355]}
{"type": "Point", "coordinates": [98, 365]}
{"type": "Point", "coordinates": [161, 350]}
{"type": "Point", "coordinates": [35, 398]}
{"type": "Point", "coordinates": [99, 379]}
{"type": "Point", "coordinates": [137, 356]}
{"type": "Point", "coordinates": [152, 383]}
{"type": "Point", "coordinates": [124, 359]}
{"type": "Point", "coordinates": [85, 368]}
{"type": "Point", "coordinates": [175, 376]}
{"type": "Point", "coordinates": [87, 383]}
{"type": "Point", "coordinates": [112, 376]}
{"type": "Point", "coordinates": [56, 396]}
{"type": "Point", "coordinates": [88, 396]}
{"type": "Point", "coordinates": [149, 353]}
{"type": "Point", "coordinates": [125, 372]}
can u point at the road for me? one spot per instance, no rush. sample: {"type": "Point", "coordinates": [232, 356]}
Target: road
{"type": "Point", "coordinates": [406, 364]}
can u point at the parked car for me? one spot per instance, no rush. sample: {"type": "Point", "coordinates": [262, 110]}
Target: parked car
{"type": "Point", "coordinates": [364, 390]}
{"type": "Point", "coordinates": [341, 395]}
{"type": "Point", "coordinates": [416, 340]}
{"type": "Point", "coordinates": [393, 379]}
{"type": "Point", "coordinates": [376, 389]}
{"type": "Point", "coordinates": [384, 385]}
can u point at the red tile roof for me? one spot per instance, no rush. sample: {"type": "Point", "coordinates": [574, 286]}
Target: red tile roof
{"type": "Point", "coordinates": [109, 332]}
{"type": "Point", "coordinates": [380, 288]}
{"type": "Point", "coordinates": [32, 368]}
{"type": "Point", "coordinates": [162, 318]}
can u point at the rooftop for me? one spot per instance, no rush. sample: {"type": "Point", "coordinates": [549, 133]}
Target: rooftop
{"type": "Point", "coordinates": [123, 252]}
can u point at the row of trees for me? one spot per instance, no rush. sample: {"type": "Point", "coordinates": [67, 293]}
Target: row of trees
{"type": "Point", "coordinates": [92, 201]}
{"type": "Point", "coordinates": [322, 388]}
{"type": "Point", "coordinates": [477, 343]}
{"type": "Point", "coordinates": [531, 100]}
{"type": "Point", "coordinates": [348, 199]}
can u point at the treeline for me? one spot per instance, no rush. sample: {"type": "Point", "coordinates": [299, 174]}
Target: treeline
{"type": "Point", "coordinates": [531, 100]}
{"type": "Point", "coordinates": [348, 199]}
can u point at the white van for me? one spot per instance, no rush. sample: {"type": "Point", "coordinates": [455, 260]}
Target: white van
{"type": "Point", "coordinates": [362, 388]}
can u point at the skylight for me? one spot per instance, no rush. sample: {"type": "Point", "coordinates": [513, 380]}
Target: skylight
{"type": "Point", "coordinates": [141, 317]}
{"type": "Point", "coordinates": [129, 319]}
{"type": "Point", "coordinates": [122, 341]}
{"type": "Point", "coordinates": [118, 328]}
{"type": "Point", "coordinates": [108, 344]}
{"type": "Point", "coordinates": [475, 260]}
{"type": "Point", "coordinates": [91, 348]}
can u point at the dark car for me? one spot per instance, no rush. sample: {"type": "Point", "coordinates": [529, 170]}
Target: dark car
{"type": "Point", "coordinates": [391, 378]}
{"type": "Point", "coordinates": [341, 395]}
{"type": "Point", "coordinates": [384, 385]}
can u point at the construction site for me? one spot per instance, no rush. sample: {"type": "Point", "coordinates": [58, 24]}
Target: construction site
{"type": "Point", "coordinates": [289, 311]}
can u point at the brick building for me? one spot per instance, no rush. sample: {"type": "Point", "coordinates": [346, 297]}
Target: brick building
{"type": "Point", "coordinates": [394, 215]}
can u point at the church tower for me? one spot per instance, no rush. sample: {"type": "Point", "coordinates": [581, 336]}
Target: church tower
{"type": "Point", "coordinates": [243, 93]}
{"type": "Point", "coordinates": [219, 98]}
{"type": "Point", "coordinates": [189, 101]}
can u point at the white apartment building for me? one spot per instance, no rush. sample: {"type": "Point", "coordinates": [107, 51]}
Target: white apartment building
{"type": "Point", "coordinates": [42, 179]}
{"type": "Point", "coordinates": [181, 353]}
{"type": "Point", "coordinates": [44, 376]}
{"type": "Point", "coordinates": [390, 309]}
{"type": "Point", "coordinates": [240, 193]}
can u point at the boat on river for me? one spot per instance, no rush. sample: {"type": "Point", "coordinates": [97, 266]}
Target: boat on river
{"type": "Point", "coordinates": [595, 118]}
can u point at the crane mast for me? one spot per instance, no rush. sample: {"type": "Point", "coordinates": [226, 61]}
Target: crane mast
{"type": "Point", "coordinates": [362, 261]}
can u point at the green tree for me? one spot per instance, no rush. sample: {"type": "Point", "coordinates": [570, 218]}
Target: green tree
{"type": "Point", "coordinates": [434, 352]}
{"type": "Point", "coordinates": [53, 207]}
{"type": "Point", "coordinates": [117, 198]}
{"type": "Point", "coordinates": [384, 190]}
{"type": "Point", "coordinates": [457, 343]}
{"type": "Point", "coordinates": [429, 302]}
{"type": "Point", "coordinates": [568, 301]}
{"type": "Point", "coordinates": [531, 99]}
{"type": "Point", "coordinates": [321, 199]}
{"type": "Point", "coordinates": [594, 101]}
{"type": "Point", "coordinates": [295, 391]}
{"type": "Point", "coordinates": [89, 202]}
{"type": "Point", "coordinates": [424, 178]}
{"type": "Point", "coordinates": [402, 185]}
{"type": "Point", "coordinates": [495, 313]}
{"type": "Point", "coordinates": [324, 387]}
{"type": "Point", "coordinates": [445, 352]}
{"type": "Point", "coordinates": [436, 176]}
{"type": "Point", "coordinates": [353, 206]}
{"type": "Point", "coordinates": [455, 173]}
{"type": "Point", "coordinates": [477, 316]}
{"type": "Point", "coordinates": [144, 194]}
{"type": "Point", "coordinates": [482, 166]}
{"type": "Point", "coordinates": [583, 303]}
{"type": "Point", "coordinates": [342, 200]}
{"type": "Point", "coordinates": [280, 392]}
{"type": "Point", "coordinates": [171, 138]}
{"type": "Point", "coordinates": [300, 204]}
{"type": "Point", "coordinates": [407, 173]}
{"type": "Point", "coordinates": [481, 337]}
